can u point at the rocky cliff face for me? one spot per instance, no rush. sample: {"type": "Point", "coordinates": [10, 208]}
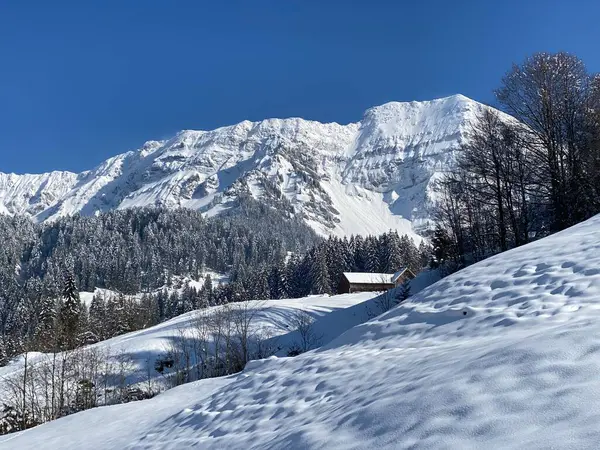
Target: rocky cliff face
{"type": "Point", "coordinates": [364, 177]}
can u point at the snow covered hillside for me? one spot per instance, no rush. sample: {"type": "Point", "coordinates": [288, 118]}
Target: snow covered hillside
{"type": "Point", "coordinates": [362, 178]}
{"type": "Point", "coordinates": [503, 354]}
{"type": "Point", "coordinates": [273, 319]}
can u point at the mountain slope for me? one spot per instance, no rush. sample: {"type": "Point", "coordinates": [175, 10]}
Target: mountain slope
{"type": "Point", "coordinates": [364, 177]}
{"type": "Point", "coordinates": [494, 356]}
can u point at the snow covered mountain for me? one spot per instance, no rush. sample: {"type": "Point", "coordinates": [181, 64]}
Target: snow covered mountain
{"type": "Point", "coordinates": [503, 354]}
{"type": "Point", "coordinates": [364, 177]}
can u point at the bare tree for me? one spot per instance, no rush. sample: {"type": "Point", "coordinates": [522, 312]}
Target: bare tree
{"type": "Point", "coordinates": [179, 357]}
{"type": "Point", "coordinates": [201, 341]}
{"type": "Point", "coordinates": [552, 95]}
{"type": "Point", "coordinates": [55, 385]}
{"type": "Point", "coordinates": [304, 324]}
{"type": "Point", "coordinates": [485, 204]}
{"type": "Point", "coordinates": [20, 402]}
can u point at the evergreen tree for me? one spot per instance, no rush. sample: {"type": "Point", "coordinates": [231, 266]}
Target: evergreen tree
{"type": "Point", "coordinates": [259, 287]}
{"type": "Point", "coordinates": [443, 249]}
{"type": "Point", "coordinates": [277, 281]}
{"type": "Point", "coordinates": [46, 329]}
{"type": "Point", "coordinates": [371, 255]}
{"type": "Point", "coordinates": [98, 317]}
{"type": "Point", "coordinates": [69, 314]}
{"type": "Point", "coordinates": [319, 274]}
{"type": "Point", "coordinates": [207, 291]}
{"type": "Point", "coordinates": [394, 259]}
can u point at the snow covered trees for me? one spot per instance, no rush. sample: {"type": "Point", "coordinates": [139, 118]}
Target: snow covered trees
{"type": "Point", "coordinates": [319, 273]}
{"type": "Point", "coordinates": [320, 270]}
{"type": "Point", "coordinates": [131, 251]}
{"type": "Point", "coordinates": [68, 326]}
{"type": "Point", "coordinates": [151, 251]}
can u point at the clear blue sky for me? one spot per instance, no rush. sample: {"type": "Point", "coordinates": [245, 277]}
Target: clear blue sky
{"type": "Point", "coordinates": [84, 80]}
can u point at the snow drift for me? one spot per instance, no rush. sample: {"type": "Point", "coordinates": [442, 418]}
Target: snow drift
{"type": "Point", "coordinates": [503, 354]}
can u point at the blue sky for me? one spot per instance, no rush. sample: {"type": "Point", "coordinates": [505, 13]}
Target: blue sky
{"type": "Point", "coordinates": [82, 81]}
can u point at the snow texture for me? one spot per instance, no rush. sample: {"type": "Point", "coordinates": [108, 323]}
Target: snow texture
{"type": "Point", "coordinates": [503, 354]}
{"type": "Point", "coordinates": [361, 178]}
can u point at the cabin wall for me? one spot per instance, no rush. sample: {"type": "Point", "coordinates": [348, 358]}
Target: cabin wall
{"type": "Point", "coordinates": [404, 277]}
{"type": "Point", "coordinates": [344, 286]}
{"type": "Point", "coordinates": [369, 287]}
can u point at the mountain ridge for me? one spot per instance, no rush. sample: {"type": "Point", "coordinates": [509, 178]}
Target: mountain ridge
{"type": "Point", "coordinates": [364, 177]}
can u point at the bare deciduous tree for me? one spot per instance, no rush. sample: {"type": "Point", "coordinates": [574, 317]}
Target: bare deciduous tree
{"type": "Point", "coordinates": [553, 95]}
{"type": "Point", "coordinates": [303, 323]}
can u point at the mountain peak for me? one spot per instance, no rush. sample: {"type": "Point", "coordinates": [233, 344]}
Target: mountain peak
{"type": "Point", "coordinates": [364, 177]}
{"type": "Point", "coordinates": [436, 102]}
{"type": "Point", "coordinates": [456, 97]}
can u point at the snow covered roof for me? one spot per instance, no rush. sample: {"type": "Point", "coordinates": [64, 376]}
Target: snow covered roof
{"type": "Point", "coordinates": [369, 278]}
{"type": "Point", "coordinates": [374, 278]}
{"type": "Point", "coordinates": [400, 273]}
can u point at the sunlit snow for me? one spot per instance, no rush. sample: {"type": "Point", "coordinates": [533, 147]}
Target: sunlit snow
{"type": "Point", "coordinates": [503, 354]}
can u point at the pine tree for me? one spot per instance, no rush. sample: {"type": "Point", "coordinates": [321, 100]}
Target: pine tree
{"type": "Point", "coordinates": [259, 290]}
{"type": "Point", "coordinates": [207, 289]}
{"type": "Point", "coordinates": [188, 297]}
{"type": "Point", "coordinates": [46, 328]}
{"type": "Point", "coordinates": [277, 282]}
{"type": "Point", "coordinates": [442, 247]}
{"type": "Point", "coordinates": [360, 258]}
{"type": "Point", "coordinates": [119, 312]}
{"type": "Point", "coordinates": [371, 257]}
{"type": "Point", "coordinates": [319, 275]}
{"type": "Point", "coordinates": [393, 259]}
{"type": "Point", "coordinates": [173, 305]}
{"type": "Point", "coordinates": [295, 276]}
{"type": "Point", "coordinates": [69, 314]}
{"type": "Point", "coordinates": [98, 317]}
{"type": "Point", "coordinates": [409, 254]}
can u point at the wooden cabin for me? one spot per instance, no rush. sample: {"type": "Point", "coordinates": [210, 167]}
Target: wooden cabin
{"type": "Point", "coordinates": [373, 282]}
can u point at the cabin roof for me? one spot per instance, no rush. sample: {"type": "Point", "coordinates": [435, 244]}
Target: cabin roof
{"type": "Point", "coordinates": [368, 278]}
{"type": "Point", "coordinates": [400, 273]}
{"type": "Point", "coordinates": [373, 278]}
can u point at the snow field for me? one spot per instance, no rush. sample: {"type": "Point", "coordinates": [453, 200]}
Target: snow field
{"type": "Point", "coordinates": [503, 354]}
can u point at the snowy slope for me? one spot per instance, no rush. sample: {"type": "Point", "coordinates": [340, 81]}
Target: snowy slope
{"type": "Point", "coordinates": [332, 314]}
{"type": "Point", "coordinates": [504, 354]}
{"type": "Point", "coordinates": [365, 177]}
